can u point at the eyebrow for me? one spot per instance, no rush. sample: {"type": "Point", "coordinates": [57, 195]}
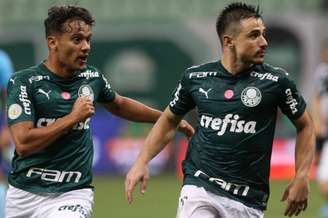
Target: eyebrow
{"type": "Point", "coordinates": [81, 34]}
{"type": "Point", "coordinates": [256, 30]}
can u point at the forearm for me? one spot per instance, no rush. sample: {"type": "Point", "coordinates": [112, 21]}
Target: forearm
{"type": "Point", "coordinates": [318, 119]}
{"type": "Point", "coordinates": [304, 152]}
{"type": "Point", "coordinates": [36, 139]}
{"type": "Point", "coordinates": [160, 135]}
{"type": "Point", "coordinates": [132, 110]}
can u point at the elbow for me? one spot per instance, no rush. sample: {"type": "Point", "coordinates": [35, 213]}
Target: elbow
{"type": "Point", "coordinates": [21, 150]}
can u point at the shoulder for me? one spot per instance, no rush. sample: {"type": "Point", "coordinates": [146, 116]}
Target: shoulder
{"type": "Point", "coordinates": [26, 74]}
{"type": "Point", "coordinates": [279, 71]}
{"type": "Point", "coordinates": [268, 72]}
{"type": "Point", "coordinates": [208, 69]}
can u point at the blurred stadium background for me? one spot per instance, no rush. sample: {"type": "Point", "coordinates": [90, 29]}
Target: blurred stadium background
{"type": "Point", "coordinates": [143, 46]}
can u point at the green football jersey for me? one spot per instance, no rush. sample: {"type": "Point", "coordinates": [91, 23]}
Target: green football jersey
{"type": "Point", "coordinates": [38, 95]}
{"type": "Point", "coordinates": [231, 150]}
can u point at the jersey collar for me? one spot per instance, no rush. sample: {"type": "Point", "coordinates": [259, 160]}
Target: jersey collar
{"type": "Point", "coordinates": [225, 73]}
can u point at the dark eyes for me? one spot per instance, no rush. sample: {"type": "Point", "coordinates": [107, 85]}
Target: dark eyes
{"type": "Point", "coordinates": [78, 40]}
{"type": "Point", "coordinates": [255, 35]}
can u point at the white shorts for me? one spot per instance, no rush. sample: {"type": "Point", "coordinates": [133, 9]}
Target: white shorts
{"type": "Point", "coordinates": [196, 202]}
{"type": "Point", "coordinates": [72, 204]}
{"type": "Point", "coordinates": [322, 172]}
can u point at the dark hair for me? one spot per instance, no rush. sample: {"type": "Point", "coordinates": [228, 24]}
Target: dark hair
{"type": "Point", "coordinates": [233, 13]}
{"type": "Point", "coordinates": [58, 15]}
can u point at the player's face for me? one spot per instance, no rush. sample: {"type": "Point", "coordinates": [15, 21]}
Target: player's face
{"type": "Point", "coordinates": [250, 44]}
{"type": "Point", "coordinates": [73, 45]}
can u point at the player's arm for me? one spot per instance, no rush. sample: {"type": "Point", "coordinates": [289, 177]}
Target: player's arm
{"type": "Point", "coordinates": [318, 118]}
{"type": "Point", "coordinates": [162, 132]}
{"type": "Point", "coordinates": [29, 139]}
{"type": "Point", "coordinates": [319, 121]}
{"type": "Point", "coordinates": [297, 191]}
{"type": "Point", "coordinates": [132, 110]}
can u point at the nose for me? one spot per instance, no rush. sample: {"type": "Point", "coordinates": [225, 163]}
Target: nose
{"type": "Point", "coordinates": [264, 42]}
{"type": "Point", "coordinates": [86, 45]}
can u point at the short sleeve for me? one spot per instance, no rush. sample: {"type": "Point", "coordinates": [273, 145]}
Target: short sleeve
{"type": "Point", "coordinates": [19, 100]}
{"type": "Point", "coordinates": [107, 94]}
{"type": "Point", "coordinates": [291, 102]}
{"type": "Point", "coordinates": [181, 100]}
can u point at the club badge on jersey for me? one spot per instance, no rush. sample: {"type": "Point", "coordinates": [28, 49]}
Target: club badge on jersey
{"type": "Point", "coordinates": [86, 90]}
{"type": "Point", "coordinates": [251, 96]}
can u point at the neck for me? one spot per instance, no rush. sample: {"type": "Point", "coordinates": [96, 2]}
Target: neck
{"type": "Point", "coordinates": [58, 68]}
{"type": "Point", "coordinates": [232, 64]}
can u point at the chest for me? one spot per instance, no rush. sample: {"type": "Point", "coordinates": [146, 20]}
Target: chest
{"type": "Point", "coordinates": [245, 97]}
{"type": "Point", "coordinates": [55, 99]}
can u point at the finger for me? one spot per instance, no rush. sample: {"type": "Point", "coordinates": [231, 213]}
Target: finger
{"type": "Point", "coordinates": [127, 182]}
{"type": "Point", "coordinates": [299, 210]}
{"type": "Point", "coordinates": [291, 211]}
{"type": "Point", "coordinates": [92, 110]}
{"type": "Point", "coordinates": [285, 195]}
{"type": "Point", "coordinates": [305, 205]}
{"type": "Point", "coordinates": [289, 208]}
{"type": "Point", "coordinates": [129, 191]}
{"type": "Point", "coordinates": [191, 131]}
{"type": "Point", "coordinates": [143, 185]}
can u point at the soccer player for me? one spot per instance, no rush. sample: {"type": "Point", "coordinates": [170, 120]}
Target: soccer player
{"type": "Point", "coordinates": [320, 117]}
{"type": "Point", "coordinates": [6, 70]}
{"type": "Point", "coordinates": [49, 111]}
{"type": "Point", "coordinates": [227, 165]}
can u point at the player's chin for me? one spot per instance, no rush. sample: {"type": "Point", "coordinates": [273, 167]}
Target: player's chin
{"type": "Point", "coordinates": [258, 60]}
{"type": "Point", "coordinates": [80, 66]}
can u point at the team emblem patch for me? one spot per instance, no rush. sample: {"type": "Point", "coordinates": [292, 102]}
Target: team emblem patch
{"type": "Point", "coordinates": [86, 90]}
{"type": "Point", "coordinates": [251, 96]}
{"type": "Point", "coordinates": [14, 111]}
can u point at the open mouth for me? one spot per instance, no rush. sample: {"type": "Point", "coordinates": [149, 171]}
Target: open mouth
{"type": "Point", "coordinates": [83, 59]}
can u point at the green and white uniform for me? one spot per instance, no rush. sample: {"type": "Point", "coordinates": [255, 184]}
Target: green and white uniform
{"type": "Point", "coordinates": [230, 152]}
{"type": "Point", "coordinates": [38, 95]}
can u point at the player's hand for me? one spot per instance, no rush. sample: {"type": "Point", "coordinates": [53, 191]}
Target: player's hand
{"type": "Point", "coordinates": [296, 194]}
{"type": "Point", "coordinates": [185, 128]}
{"type": "Point", "coordinates": [138, 173]}
{"type": "Point", "coordinates": [83, 108]}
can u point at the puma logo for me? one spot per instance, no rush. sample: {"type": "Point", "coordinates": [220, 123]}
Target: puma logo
{"type": "Point", "coordinates": [201, 90]}
{"type": "Point", "coordinates": [45, 93]}
{"type": "Point", "coordinates": [12, 80]}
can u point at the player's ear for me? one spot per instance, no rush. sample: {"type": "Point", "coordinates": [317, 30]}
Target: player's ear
{"type": "Point", "coordinates": [52, 42]}
{"type": "Point", "coordinates": [227, 41]}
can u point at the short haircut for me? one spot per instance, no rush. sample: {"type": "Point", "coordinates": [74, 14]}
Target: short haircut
{"type": "Point", "coordinates": [234, 13]}
{"type": "Point", "coordinates": [58, 15]}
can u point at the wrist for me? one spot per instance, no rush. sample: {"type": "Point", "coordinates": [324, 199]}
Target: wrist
{"type": "Point", "coordinates": [69, 120]}
{"type": "Point", "coordinates": [302, 176]}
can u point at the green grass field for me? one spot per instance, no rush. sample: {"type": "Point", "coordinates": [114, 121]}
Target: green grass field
{"type": "Point", "coordinates": [161, 198]}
